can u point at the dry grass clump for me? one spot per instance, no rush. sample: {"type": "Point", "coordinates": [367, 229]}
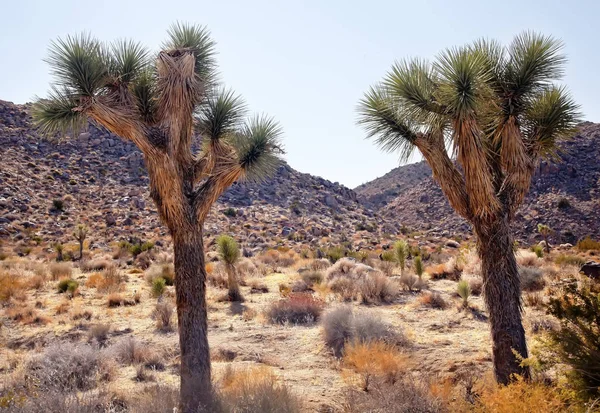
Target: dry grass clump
{"type": "Point", "coordinates": [319, 264]}
{"type": "Point", "coordinates": [163, 314]}
{"type": "Point", "coordinates": [411, 282]}
{"type": "Point", "coordinates": [217, 277]}
{"type": "Point", "coordinates": [97, 264]}
{"type": "Point", "coordinates": [312, 277]}
{"type": "Point", "coordinates": [60, 270]}
{"type": "Point", "coordinates": [98, 333]}
{"type": "Point", "coordinates": [278, 260]}
{"type": "Point", "coordinates": [526, 258]}
{"type": "Point", "coordinates": [532, 279]}
{"type": "Point", "coordinates": [476, 285]}
{"type": "Point", "coordinates": [374, 358]}
{"type": "Point", "coordinates": [130, 351]}
{"type": "Point", "coordinates": [434, 300]}
{"type": "Point", "coordinates": [55, 401]}
{"type": "Point", "coordinates": [166, 271]}
{"type": "Point", "coordinates": [245, 267]}
{"type": "Point", "coordinates": [67, 366]}
{"type": "Point", "coordinates": [11, 286]}
{"type": "Point", "coordinates": [356, 281]}
{"type": "Point", "coordinates": [405, 394]}
{"type": "Point", "coordinates": [26, 315]}
{"type": "Point", "coordinates": [450, 270]}
{"type": "Point", "coordinates": [118, 300]}
{"type": "Point", "coordinates": [587, 244]}
{"type": "Point", "coordinates": [297, 308]}
{"type": "Point", "coordinates": [565, 260]}
{"type": "Point", "coordinates": [109, 281]}
{"type": "Point", "coordinates": [386, 267]}
{"type": "Point", "coordinates": [257, 286]}
{"type": "Point", "coordinates": [519, 396]}
{"type": "Point", "coordinates": [342, 325]}
{"type": "Point", "coordinates": [255, 390]}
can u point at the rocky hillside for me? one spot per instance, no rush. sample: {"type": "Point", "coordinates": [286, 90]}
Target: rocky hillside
{"type": "Point", "coordinates": [102, 181]}
{"type": "Point", "coordinates": [564, 195]}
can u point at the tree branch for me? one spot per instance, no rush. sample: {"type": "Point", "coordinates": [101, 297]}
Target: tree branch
{"type": "Point", "coordinates": [433, 149]}
{"type": "Point", "coordinates": [119, 120]}
{"type": "Point", "coordinates": [179, 90]}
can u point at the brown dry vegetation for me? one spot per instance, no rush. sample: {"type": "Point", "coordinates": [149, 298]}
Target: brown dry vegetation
{"type": "Point", "coordinates": [322, 349]}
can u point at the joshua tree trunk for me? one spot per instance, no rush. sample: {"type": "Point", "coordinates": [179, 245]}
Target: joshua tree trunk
{"type": "Point", "coordinates": [190, 277]}
{"type": "Point", "coordinates": [502, 294]}
{"type": "Point", "coordinates": [232, 283]}
{"type": "Point", "coordinates": [80, 250]}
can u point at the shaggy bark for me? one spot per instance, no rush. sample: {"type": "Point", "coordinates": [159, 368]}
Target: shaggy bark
{"type": "Point", "coordinates": [502, 294]}
{"type": "Point", "coordinates": [190, 287]}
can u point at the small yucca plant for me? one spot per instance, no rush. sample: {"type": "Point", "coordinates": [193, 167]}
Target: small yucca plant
{"type": "Point", "coordinates": [229, 253]}
{"type": "Point", "coordinates": [464, 291]}
{"type": "Point", "coordinates": [400, 253]}
{"type": "Point", "coordinates": [418, 264]}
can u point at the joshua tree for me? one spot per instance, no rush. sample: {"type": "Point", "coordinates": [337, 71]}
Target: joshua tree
{"type": "Point", "coordinates": [400, 254]}
{"type": "Point", "coordinates": [162, 103]}
{"type": "Point", "coordinates": [499, 110]}
{"type": "Point", "coordinates": [80, 235]}
{"type": "Point", "coordinates": [545, 232]}
{"type": "Point", "coordinates": [229, 252]}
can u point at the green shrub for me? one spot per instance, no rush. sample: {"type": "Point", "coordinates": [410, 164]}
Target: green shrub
{"type": "Point", "coordinates": [230, 212]}
{"type": "Point", "coordinates": [563, 203]}
{"type": "Point", "coordinates": [58, 205]}
{"type": "Point", "coordinates": [388, 256]}
{"type": "Point", "coordinates": [577, 342]}
{"type": "Point", "coordinates": [539, 250]}
{"type": "Point", "coordinates": [67, 284]}
{"type": "Point", "coordinates": [335, 253]}
{"type": "Point", "coordinates": [158, 286]}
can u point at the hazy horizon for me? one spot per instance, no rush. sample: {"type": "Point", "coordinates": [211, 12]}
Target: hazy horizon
{"type": "Point", "coordinates": [308, 64]}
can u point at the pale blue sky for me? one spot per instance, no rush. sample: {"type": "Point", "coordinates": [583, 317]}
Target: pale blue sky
{"type": "Point", "coordinates": [307, 63]}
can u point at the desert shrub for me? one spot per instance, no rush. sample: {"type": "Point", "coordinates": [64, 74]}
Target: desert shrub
{"type": "Point", "coordinates": [117, 300]}
{"type": "Point", "coordinates": [566, 259]}
{"type": "Point", "coordinates": [433, 300]}
{"type": "Point", "coordinates": [11, 285]}
{"type": "Point", "coordinates": [386, 267]}
{"type": "Point", "coordinates": [532, 279]}
{"type": "Point", "coordinates": [353, 281]}
{"type": "Point", "coordinates": [26, 315]}
{"type": "Point", "coordinates": [230, 212]}
{"type": "Point", "coordinates": [587, 244]}
{"type": "Point", "coordinates": [65, 367]}
{"type": "Point", "coordinates": [36, 282]}
{"type": "Point", "coordinates": [312, 277]}
{"type": "Point", "coordinates": [342, 325]}
{"type": "Point", "coordinates": [165, 271]}
{"type": "Point", "coordinates": [298, 308]}
{"type": "Point", "coordinates": [257, 286]}
{"type": "Point", "coordinates": [67, 285]}
{"type": "Point", "coordinates": [374, 358]}
{"type": "Point", "coordinates": [97, 264]}
{"type": "Point", "coordinates": [476, 285]}
{"type": "Point", "coordinates": [99, 333]}
{"type": "Point", "coordinates": [577, 342]}
{"type": "Point", "coordinates": [542, 324]}
{"type": "Point", "coordinates": [411, 282]}
{"type": "Point", "coordinates": [376, 288]}
{"type": "Point", "coordinates": [163, 314]}
{"type": "Point", "coordinates": [450, 270]}
{"type": "Point", "coordinates": [256, 390]}
{"type": "Point", "coordinates": [463, 289]}
{"type": "Point", "coordinates": [405, 394]}
{"type": "Point", "coordinates": [130, 351]}
{"type": "Point", "coordinates": [538, 250]}
{"type": "Point", "coordinates": [60, 270]}
{"type": "Point", "coordinates": [334, 254]}
{"type": "Point", "coordinates": [245, 266]}
{"type": "Point", "coordinates": [535, 300]}
{"type": "Point", "coordinates": [319, 264]}
{"type": "Point", "coordinates": [58, 205]}
{"type": "Point", "coordinates": [277, 259]}
{"type": "Point", "coordinates": [519, 396]}
{"type": "Point", "coordinates": [528, 259]}
{"type": "Point", "coordinates": [56, 401]}
{"type": "Point", "coordinates": [158, 286]}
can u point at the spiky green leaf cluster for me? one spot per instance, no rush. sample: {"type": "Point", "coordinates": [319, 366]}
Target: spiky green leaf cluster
{"type": "Point", "coordinates": [228, 249]}
{"type": "Point", "coordinates": [482, 81]}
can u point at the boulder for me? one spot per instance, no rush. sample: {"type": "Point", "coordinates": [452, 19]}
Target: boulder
{"type": "Point", "coordinates": [591, 269]}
